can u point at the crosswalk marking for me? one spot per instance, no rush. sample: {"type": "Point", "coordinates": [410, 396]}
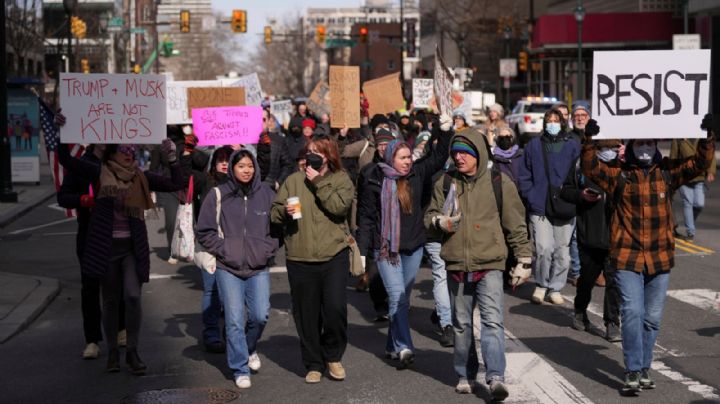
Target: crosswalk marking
{"type": "Point", "coordinates": [704, 299]}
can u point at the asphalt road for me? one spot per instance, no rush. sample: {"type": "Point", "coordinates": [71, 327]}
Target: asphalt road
{"type": "Point", "coordinates": [548, 362]}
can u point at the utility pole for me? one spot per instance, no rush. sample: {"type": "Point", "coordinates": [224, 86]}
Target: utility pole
{"type": "Point", "coordinates": [402, 47]}
{"type": "Point", "coordinates": [6, 191]}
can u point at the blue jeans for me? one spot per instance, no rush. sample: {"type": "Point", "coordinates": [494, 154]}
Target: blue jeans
{"type": "Point", "coordinates": [642, 298]}
{"type": "Point", "coordinates": [574, 256]}
{"type": "Point", "coordinates": [440, 288]}
{"type": "Point", "coordinates": [237, 294]}
{"type": "Point", "coordinates": [399, 280]}
{"type": "Point", "coordinates": [487, 295]}
{"type": "Point", "coordinates": [210, 309]}
{"type": "Point", "coordinates": [552, 251]}
{"type": "Point", "coordinates": [693, 199]}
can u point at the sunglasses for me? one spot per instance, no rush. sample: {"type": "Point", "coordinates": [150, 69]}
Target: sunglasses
{"type": "Point", "coordinates": [126, 149]}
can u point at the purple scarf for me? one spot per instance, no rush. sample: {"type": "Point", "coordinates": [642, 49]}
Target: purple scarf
{"type": "Point", "coordinates": [390, 208]}
{"type": "Point", "coordinates": [509, 153]}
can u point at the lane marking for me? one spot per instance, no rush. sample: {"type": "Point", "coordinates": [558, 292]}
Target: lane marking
{"type": "Point", "coordinates": [693, 245]}
{"type": "Point", "coordinates": [704, 299]}
{"type": "Point", "coordinates": [689, 249]}
{"type": "Point", "coordinates": [67, 219]}
{"type": "Point", "coordinates": [61, 233]}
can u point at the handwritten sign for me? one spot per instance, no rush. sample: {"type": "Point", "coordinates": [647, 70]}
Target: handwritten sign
{"type": "Point", "coordinates": [251, 84]}
{"type": "Point", "coordinates": [442, 85]}
{"type": "Point", "coordinates": [384, 94]}
{"type": "Point", "coordinates": [177, 109]}
{"type": "Point", "coordinates": [345, 99]}
{"type": "Point", "coordinates": [282, 111]}
{"type": "Point", "coordinates": [215, 97]}
{"type": "Point", "coordinates": [227, 125]}
{"type": "Point", "coordinates": [319, 100]}
{"type": "Point", "coordinates": [113, 108]}
{"type": "Point", "coordinates": [422, 90]}
{"type": "Point", "coordinates": [651, 94]}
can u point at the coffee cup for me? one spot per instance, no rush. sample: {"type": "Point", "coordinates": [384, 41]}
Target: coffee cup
{"type": "Point", "coordinates": [294, 202]}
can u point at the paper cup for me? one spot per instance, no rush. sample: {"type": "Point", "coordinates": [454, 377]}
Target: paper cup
{"type": "Point", "coordinates": [294, 201]}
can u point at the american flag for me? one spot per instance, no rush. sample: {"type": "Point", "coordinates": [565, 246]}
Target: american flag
{"type": "Point", "coordinates": [52, 140]}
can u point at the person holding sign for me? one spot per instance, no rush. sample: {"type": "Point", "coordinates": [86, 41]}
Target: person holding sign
{"type": "Point", "coordinates": [117, 250]}
{"type": "Point", "coordinates": [390, 226]}
{"type": "Point", "coordinates": [312, 206]}
{"type": "Point", "coordinates": [242, 244]}
{"type": "Point", "coordinates": [642, 248]}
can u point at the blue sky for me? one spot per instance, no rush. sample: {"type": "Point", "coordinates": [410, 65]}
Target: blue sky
{"type": "Point", "coordinates": [258, 11]}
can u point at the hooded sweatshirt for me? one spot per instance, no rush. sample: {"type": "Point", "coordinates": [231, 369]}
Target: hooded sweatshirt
{"type": "Point", "coordinates": [479, 243]}
{"type": "Point", "coordinates": [245, 222]}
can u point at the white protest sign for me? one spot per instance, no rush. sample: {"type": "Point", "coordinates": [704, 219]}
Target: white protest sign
{"type": "Point", "coordinates": [251, 83]}
{"type": "Point", "coordinates": [650, 94]}
{"type": "Point", "coordinates": [422, 91]}
{"type": "Point", "coordinates": [281, 110]}
{"type": "Point", "coordinates": [113, 108]}
{"type": "Point", "coordinates": [442, 85]}
{"type": "Point", "coordinates": [177, 109]}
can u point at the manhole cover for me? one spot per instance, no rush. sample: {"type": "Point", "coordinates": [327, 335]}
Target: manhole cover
{"type": "Point", "coordinates": [196, 395]}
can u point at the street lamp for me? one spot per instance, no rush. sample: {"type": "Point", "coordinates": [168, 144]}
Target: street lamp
{"type": "Point", "coordinates": [69, 6]}
{"type": "Point", "coordinates": [579, 17]}
{"type": "Point", "coordinates": [507, 34]}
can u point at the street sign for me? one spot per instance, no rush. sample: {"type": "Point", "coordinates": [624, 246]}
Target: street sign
{"type": "Point", "coordinates": [137, 30]}
{"type": "Point", "coordinates": [340, 43]}
{"type": "Point", "coordinates": [686, 41]}
{"type": "Point", "coordinates": [508, 67]}
{"type": "Point", "coordinates": [116, 22]}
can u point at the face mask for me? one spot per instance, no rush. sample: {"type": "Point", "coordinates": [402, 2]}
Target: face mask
{"type": "Point", "coordinates": [644, 153]}
{"type": "Point", "coordinates": [504, 142]}
{"type": "Point", "coordinates": [314, 160]}
{"type": "Point", "coordinates": [606, 154]}
{"type": "Point", "coordinates": [552, 128]}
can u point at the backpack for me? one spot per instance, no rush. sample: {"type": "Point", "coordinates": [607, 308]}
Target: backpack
{"type": "Point", "coordinates": [495, 179]}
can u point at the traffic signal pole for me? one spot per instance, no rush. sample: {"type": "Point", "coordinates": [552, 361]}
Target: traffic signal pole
{"type": "Point", "coordinates": [6, 191]}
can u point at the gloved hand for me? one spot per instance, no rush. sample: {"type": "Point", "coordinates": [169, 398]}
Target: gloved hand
{"type": "Point", "coordinates": [592, 128]}
{"type": "Point", "coordinates": [448, 224]}
{"type": "Point", "coordinates": [706, 122]}
{"type": "Point", "coordinates": [59, 118]}
{"type": "Point", "coordinates": [521, 272]}
{"type": "Point", "coordinates": [190, 142]}
{"type": "Point", "coordinates": [169, 149]}
{"type": "Point", "coordinates": [446, 122]}
{"type": "Point", "coordinates": [87, 201]}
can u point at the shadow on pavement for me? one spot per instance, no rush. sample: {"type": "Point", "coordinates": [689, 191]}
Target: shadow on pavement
{"type": "Point", "coordinates": [285, 353]}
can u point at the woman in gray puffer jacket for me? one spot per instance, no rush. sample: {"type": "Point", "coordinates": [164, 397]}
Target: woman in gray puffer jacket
{"type": "Point", "coordinates": [243, 246]}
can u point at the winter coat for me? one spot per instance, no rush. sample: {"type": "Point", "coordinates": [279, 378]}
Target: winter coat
{"type": "Point", "coordinates": [532, 180]}
{"type": "Point", "coordinates": [593, 218]}
{"type": "Point", "coordinates": [480, 242]}
{"type": "Point", "coordinates": [280, 163]}
{"type": "Point", "coordinates": [247, 244]}
{"type": "Point", "coordinates": [325, 202]}
{"type": "Point", "coordinates": [682, 149]}
{"type": "Point", "coordinates": [510, 166]}
{"type": "Point", "coordinates": [73, 187]}
{"type": "Point", "coordinates": [412, 229]}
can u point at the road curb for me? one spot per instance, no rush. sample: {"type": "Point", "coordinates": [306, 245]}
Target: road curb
{"type": "Point", "coordinates": [30, 306]}
{"type": "Point", "coordinates": [21, 209]}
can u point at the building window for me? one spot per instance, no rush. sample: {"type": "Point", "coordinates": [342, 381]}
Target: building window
{"type": "Point", "coordinates": [391, 64]}
{"type": "Point", "coordinates": [146, 13]}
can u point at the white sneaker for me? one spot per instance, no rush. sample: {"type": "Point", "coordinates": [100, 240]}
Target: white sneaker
{"type": "Point", "coordinates": [556, 298]}
{"type": "Point", "coordinates": [538, 295]}
{"type": "Point", "coordinates": [254, 362]}
{"type": "Point", "coordinates": [92, 351]}
{"type": "Point", "coordinates": [463, 387]}
{"type": "Point", "coordinates": [122, 338]}
{"type": "Point", "coordinates": [243, 382]}
{"type": "Point", "coordinates": [172, 261]}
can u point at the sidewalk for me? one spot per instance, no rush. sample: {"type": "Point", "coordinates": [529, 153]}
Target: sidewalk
{"type": "Point", "coordinates": [22, 297]}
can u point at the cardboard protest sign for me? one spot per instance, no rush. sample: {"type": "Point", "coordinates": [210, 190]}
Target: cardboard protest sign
{"type": "Point", "coordinates": [251, 84]}
{"type": "Point", "coordinates": [282, 111]}
{"type": "Point", "coordinates": [345, 96]}
{"type": "Point", "coordinates": [650, 94]}
{"type": "Point", "coordinates": [384, 94]}
{"type": "Point", "coordinates": [177, 108]}
{"type": "Point", "coordinates": [442, 85]}
{"type": "Point", "coordinates": [113, 108]}
{"type": "Point", "coordinates": [227, 125]}
{"type": "Point", "coordinates": [319, 100]}
{"type": "Point", "coordinates": [465, 106]}
{"type": "Point", "coordinates": [422, 90]}
{"type": "Point", "coordinates": [215, 97]}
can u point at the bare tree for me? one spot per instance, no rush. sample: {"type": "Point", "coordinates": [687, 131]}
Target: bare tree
{"type": "Point", "coordinates": [23, 29]}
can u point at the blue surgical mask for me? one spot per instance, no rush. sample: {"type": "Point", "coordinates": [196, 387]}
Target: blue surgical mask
{"type": "Point", "coordinates": [552, 128]}
{"type": "Point", "coordinates": [606, 154]}
{"type": "Point", "coordinates": [644, 153]}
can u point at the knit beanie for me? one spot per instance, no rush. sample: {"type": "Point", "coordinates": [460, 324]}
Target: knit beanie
{"type": "Point", "coordinates": [308, 123]}
{"type": "Point", "coordinates": [497, 108]}
{"type": "Point", "coordinates": [461, 144]}
{"type": "Point", "coordinates": [383, 136]}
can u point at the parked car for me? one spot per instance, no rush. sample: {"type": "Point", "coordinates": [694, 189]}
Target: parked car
{"type": "Point", "coordinates": [527, 116]}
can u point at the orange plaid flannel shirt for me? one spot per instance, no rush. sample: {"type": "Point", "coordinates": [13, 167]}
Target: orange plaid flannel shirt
{"type": "Point", "coordinates": [641, 227]}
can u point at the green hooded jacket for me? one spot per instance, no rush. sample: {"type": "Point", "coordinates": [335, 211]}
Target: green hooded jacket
{"type": "Point", "coordinates": [479, 243]}
{"type": "Point", "coordinates": [324, 203]}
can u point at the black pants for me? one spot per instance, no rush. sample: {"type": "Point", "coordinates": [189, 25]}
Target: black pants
{"type": "Point", "coordinates": [376, 287]}
{"type": "Point", "coordinates": [320, 308]}
{"type": "Point", "coordinates": [121, 283]}
{"type": "Point", "coordinates": [594, 261]}
{"type": "Point", "coordinates": [170, 204]}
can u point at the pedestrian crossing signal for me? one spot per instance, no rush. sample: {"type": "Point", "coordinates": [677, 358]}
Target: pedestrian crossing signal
{"type": "Point", "coordinates": [363, 34]}
{"type": "Point", "coordinates": [185, 21]}
{"type": "Point", "coordinates": [239, 21]}
{"type": "Point", "coordinates": [268, 34]}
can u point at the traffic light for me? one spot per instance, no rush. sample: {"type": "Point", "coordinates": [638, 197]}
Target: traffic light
{"type": "Point", "coordinates": [78, 27]}
{"type": "Point", "coordinates": [85, 65]}
{"type": "Point", "coordinates": [268, 34]}
{"type": "Point", "coordinates": [184, 21]}
{"type": "Point", "coordinates": [523, 61]}
{"type": "Point", "coordinates": [137, 69]}
{"type": "Point", "coordinates": [320, 34]}
{"type": "Point", "coordinates": [239, 21]}
{"type": "Point", "coordinates": [363, 35]}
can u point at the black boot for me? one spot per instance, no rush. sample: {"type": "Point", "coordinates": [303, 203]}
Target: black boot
{"type": "Point", "coordinates": [447, 339]}
{"type": "Point", "coordinates": [137, 367]}
{"type": "Point", "coordinates": [113, 362]}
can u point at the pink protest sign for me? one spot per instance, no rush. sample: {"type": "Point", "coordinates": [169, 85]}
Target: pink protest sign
{"type": "Point", "coordinates": [227, 125]}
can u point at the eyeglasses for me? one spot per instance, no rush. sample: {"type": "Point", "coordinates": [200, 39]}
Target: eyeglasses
{"type": "Point", "coordinates": [581, 116]}
{"type": "Point", "coordinates": [126, 149]}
